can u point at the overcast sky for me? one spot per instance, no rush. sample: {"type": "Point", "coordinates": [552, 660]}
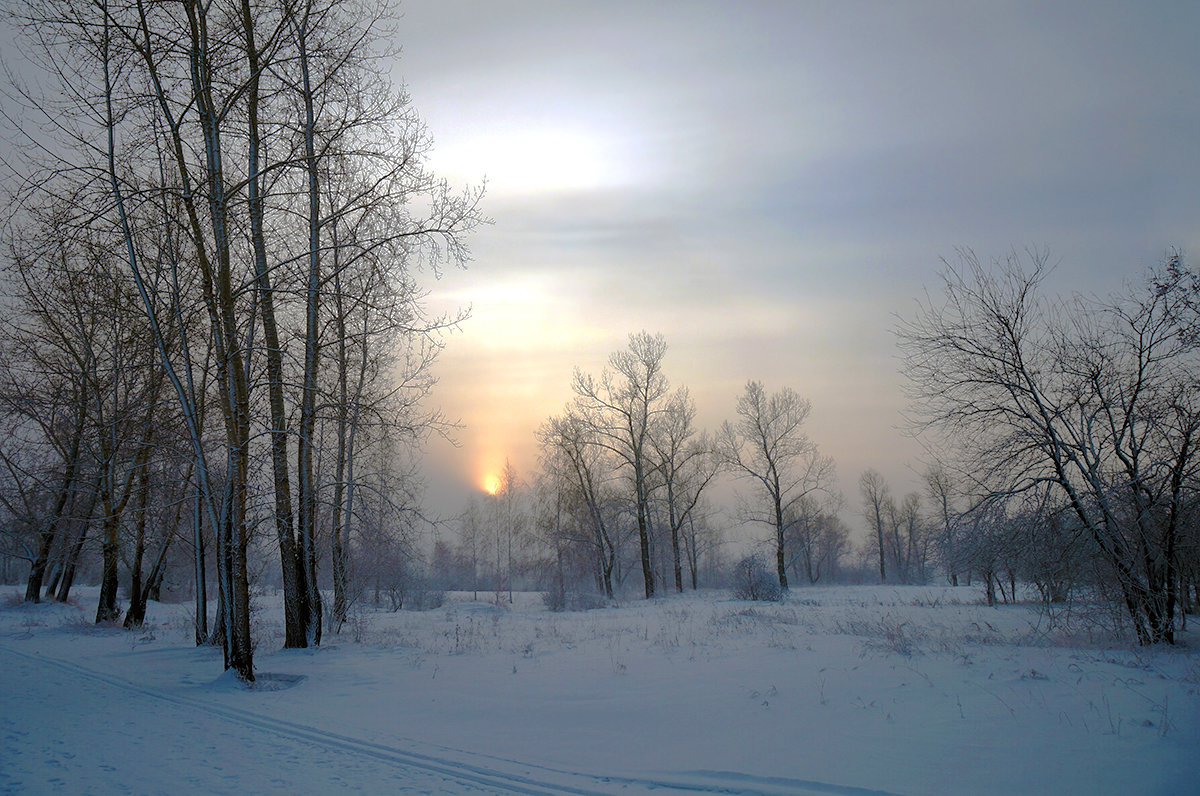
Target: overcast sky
{"type": "Point", "coordinates": [770, 184]}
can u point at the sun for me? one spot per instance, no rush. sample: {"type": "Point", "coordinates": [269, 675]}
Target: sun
{"type": "Point", "coordinates": [491, 484]}
{"type": "Point", "coordinates": [538, 157]}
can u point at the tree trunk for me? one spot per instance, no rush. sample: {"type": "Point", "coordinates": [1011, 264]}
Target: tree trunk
{"type": "Point", "coordinates": [306, 441]}
{"type": "Point", "coordinates": [677, 557]}
{"type": "Point", "coordinates": [37, 571]}
{"type": "Point", "coordinates": [232, 532]}
{"type": "Point", "coordinates": [341, 509]}
{"type": "Point", "coordinates": [780, 553]}
{"type": "Point", "coordinates": [879, 541]}
{"type": "Point", "coordinates": [295, 591]}
{"type": "Point", "coordinates": [107, 609]}
{"type": "Point", "coordinates": [55, 577]}
{"type": "Point", "coordinates": [200, 570]}
{"type": "Point", "coordinates": [136, 614]}
{"type": "Point", "coordinates": [71, 560]}
{"type": "Point", "coordinates": [643, 531]}
{"type": "Point", "coordinates": [67, 580]}
{"type": "Point", "coordinates": [33, 589]}
{"type": "Point", "coordinates": [153, 586]}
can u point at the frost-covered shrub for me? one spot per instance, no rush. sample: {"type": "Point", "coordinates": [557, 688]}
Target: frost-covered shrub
{"type": "Point", "coordinates": [894, 635]}
{"type": "Point", "coordinates": [887, 634]}
{"type": "Point", "coordinates": [753, 581]}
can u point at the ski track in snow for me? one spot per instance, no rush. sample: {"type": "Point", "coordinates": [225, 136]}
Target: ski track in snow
{"type": "Point", "coordinates": [231, 755]}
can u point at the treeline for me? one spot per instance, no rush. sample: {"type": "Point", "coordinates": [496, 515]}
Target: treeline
{"type": "Point", "coordinates": [623, 492]}
{"type": "Point", "coordinates": [1063, 437]}
{"type": "Point", "coordinates": [214, 342]}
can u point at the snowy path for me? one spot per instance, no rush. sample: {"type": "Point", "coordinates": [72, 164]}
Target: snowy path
{"type": "Point", "coordinates": [68, 744]}
{"type": "Point", "coordinates": [63, 727]}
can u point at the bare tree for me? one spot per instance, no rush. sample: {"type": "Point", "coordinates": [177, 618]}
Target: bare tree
{"type": "Point", "coordinates": [470, 532]}
{"type": "Point", "coordinates": [816, 539]}
{"type": "Point", "coordinates": [623, 408]}
{"type": "Point", "coordinates": [179, 149]}
{"type": "Point", "coordinates": [570, 447]}
{"type": "Point", "coordinates": [767, 445]}
{"type": "Point", "coordinates": [297, 608]}
{"type": "Point", "coordinates": [939, 486]}
{"type": "Point", "coordinates": [909, 540]}
{"type": "Point", "coordinates": [687, 464]}
{"type": "Point", "coordinates": [701, 542]}
{"type": "Point", "coordinates": [1096, 397]}
{"type": "Point", "coordinates": [510, 521]}
{"type": "Point", "coordinates": [44, 399]}
{"type": "Point", "coordinates": [877, 500]}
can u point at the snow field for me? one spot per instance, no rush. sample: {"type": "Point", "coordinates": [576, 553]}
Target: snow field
{"type": "Point", "coordinates": [838, 690]}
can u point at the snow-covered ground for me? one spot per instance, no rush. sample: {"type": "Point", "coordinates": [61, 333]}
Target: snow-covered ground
{"type": "Point", "coordinates": [842, 690]}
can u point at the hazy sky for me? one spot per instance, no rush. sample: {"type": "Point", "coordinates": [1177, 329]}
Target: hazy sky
{"type": "Point", "coordinates": [770, 184]}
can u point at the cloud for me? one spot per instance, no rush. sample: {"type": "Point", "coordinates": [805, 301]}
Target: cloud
{"type": "Point", "coordinates": [769, 184]}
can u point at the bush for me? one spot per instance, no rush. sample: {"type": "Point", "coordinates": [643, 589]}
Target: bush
{"type": "Point", "coordinates": [753, 581]}
{"type": "Point", "coordinates": [409, 592]}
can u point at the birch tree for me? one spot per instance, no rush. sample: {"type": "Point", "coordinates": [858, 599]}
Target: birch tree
{"type": "Point", "coordinates": [179, 147]}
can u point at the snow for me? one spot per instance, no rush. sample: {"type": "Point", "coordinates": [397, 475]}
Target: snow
{"type": "Point", "coordinates": [839, 690]}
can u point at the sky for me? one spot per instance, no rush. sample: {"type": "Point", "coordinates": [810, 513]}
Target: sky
{"type": "Point", "coordinates": [770, 185]}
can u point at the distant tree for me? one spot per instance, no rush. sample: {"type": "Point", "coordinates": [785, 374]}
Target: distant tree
{"type": "Point", "coordinates": [701, 542]}
{"type": "Point", "coordinates": [901, 530]}
{"type": "Point", "coordinates": [570, 568]}
{"type": "Point", "coordinates": [767, 445]}
{"type": "Point", "coordinates": [908, 539]}
{"type": "Point", "coordinates": [687, 464]}
{"type": "Point", "coordinates": [939, 487]}
{"type": "Point", "coordinates": [510, 526]}
{"type": "Point", "coordinates": [470, 539]}
{"type": "Point", "coordinates": [570, 448]}
{"type": "Point", "coordinates": [622, 409]}
{"type": "Point", "coordinates": [817, 539]}
{"type": "Point", "coordinates": [877, 501]}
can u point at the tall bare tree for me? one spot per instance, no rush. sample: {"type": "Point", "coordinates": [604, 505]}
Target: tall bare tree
{"type": "Point", "coordinates": [767, 445]}
{"type": "Point", "coordinates": [179, 148]}
{"type": "Point", "coordinates": [876, 496]}
{"type": "Point", "coordinates": [817, 538]}
{"type": "Point", "coordinates": [623, 407]}
{"type": "Point", "coordinates": [939, 486]}
{"type": "Point", "coordinates": [687, 464]}
{"type": "Point", "coordinates": [569, 447]}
